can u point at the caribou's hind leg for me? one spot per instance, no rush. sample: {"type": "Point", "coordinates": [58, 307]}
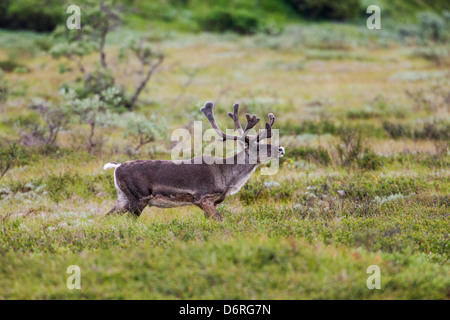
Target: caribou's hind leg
{"type": "Point", "coordinates": [134, 207]}
{"type": "Point", "coordinates": [137, 206]}
{"type": "Point", "coordinates": [116, 211]}
{"type": "Point", "coordinates": [121, 206]}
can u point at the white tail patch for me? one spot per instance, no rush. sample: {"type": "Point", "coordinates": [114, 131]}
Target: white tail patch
{"type": "Point", "coordinates": [111, 165]}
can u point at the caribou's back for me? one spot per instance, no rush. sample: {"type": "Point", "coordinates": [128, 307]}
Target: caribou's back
{"type": "Point", "coordinates": [167, 177]}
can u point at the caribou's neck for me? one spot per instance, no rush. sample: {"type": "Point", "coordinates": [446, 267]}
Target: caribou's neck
{"type": "Point", "coordinates": [237, 169]}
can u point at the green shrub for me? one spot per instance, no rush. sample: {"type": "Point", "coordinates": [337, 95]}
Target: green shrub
{"type": "Point", "coordinates": [432, 27]}
{"type": "Point", "coordinates": [9, 155]}
{"type": "Point", "coordinates": [366, 113]}
{"type": "Point", "coordinates": [326, 9]}
{"type": "Point", "coordinates": [370, 161]}
{"type": "Point", "coordinates": [143, 130]}
{"type": "Point", "coordinates": [433, 130]}
{"type": "Point", "coordinates": [350, 147]}
{"type": "Point", "coordinates": [57, 186]}
{"type": "Point", "coordinates": [261, 189]}
{"type": "Point", "coordinates": [4, 89]}
{"type": "Point", "coordinates": [31, 14]}
{"type": "Point", "coordinates": [44, 43]}
{"type": "Point", "coordinates": [396, 130]}
{"type": "Point", "coordinates": [241, 21]}
{"type": "Point", "coordinates": [439, 55]}
{"type": "Point", "coordinates": [313, 127]}
{"type": "Point", "coordinates": [319, 155]}
{"type": "Point", "coordinates": [45, 132]}
{"type": "Point", "coordinates": [378, 108]}
{"type": "Point", "coordinates": [63, 186]}
{"type": "Point", "coordinates": [11, 66]}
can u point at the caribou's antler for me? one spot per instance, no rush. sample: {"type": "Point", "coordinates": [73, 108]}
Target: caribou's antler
{"type": "Point", "coordinates": [235, 117]}
{"type": "Point", "coordinates": [267, 133]}
{"type": "Point", "coordinates": [251, 121]}
{"type": "Point", "coordinates": [243, 133]}
{"type": "Point", "coordinates": [208, 112]}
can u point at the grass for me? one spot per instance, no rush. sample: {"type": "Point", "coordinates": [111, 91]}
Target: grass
{"type": "Point", "coordinates": [413, 226]}
{"type": "Point", "coordinates": [311, 231]}
{"type": "Point", "coordinates": [236, 269]}
{"type": "Point", "coordinates": [301, 239]}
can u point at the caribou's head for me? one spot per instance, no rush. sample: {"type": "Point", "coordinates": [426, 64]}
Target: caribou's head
{"type": "Point", "coordinates": [255, 151]}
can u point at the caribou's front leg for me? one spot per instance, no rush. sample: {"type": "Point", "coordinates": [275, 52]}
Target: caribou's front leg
{"type": "Point", "coordinates": [208, 205]}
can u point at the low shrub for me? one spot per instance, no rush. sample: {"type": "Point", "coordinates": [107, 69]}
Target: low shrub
{"type": "Point", "coordinates": [313, 127]}
{"type": "Point", "coordinates": [325, 9]}
{"type": "Point", "coordinates": [4, 89]}
{"type": "Point", "coordinates": [378, 108]}
{"type": "Point", "coordinates": [240, 21]}
{"type": "Point", "coordinates": [396, 130]}
{"type": "Point", "coordinates": [260, 189]}
{"type": "Point", "coordinates": [438, 55]}
{"type": "Point", "coordinates": [31, 14]}
{"type": "Point", "coordinates": [63, 186]}
{"type": "Point", "coordinates": [318, 155]}
{"type": "Point", "coordinates": [12, 66]}
{"type": "Point", "coordinates": [9, 156]}
{"type": "Point", "coordinates": [429, 129]}
{"type": "Point", "coordinates": [350, 146]}
{"type": "Point", "coordinates": [432, 27]}
{"type": "Point", "coordinates": [370, 161]}
{"type": "Point", "coordinates": [433, 130]}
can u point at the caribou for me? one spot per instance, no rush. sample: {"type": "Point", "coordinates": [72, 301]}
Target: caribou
{"type": "Point", "coordinates": [203, 182]}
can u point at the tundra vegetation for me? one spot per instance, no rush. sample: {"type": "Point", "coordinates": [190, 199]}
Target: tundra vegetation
{"type": "Point", "coordinates": [363, 117]}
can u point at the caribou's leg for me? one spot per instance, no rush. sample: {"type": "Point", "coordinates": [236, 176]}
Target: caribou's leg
{"type": "Point", "coordinates": [209, 209]}
{"type": "Point", "coordinates": [116, 211]}
{"type": "Point", "coordinates": [136, 210]}
{"type": "Point", "coordinates": [119, 208]}
{"type": "Point", "coordinates": [111, 212]}
{"type": "Point", "coordinates": [121, 205]}
{"type": "Point", "coordinates": [137, 206]}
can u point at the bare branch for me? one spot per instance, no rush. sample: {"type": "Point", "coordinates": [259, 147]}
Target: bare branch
{"type": "Point", "coordinates": [143, 83]}
{"type": "Point", "coordinates": [184, 87]}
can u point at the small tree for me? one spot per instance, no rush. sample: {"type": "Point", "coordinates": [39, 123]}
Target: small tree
{"type": "Point", "coordinates": [8, 157]}
{"type": "Point", "coordinates": [149, 60]}
{"type": "Point", "coordinates": [100, 18]}
{"type": "Point", "coordinates": [144, 130]}
{"type": "Point", "coordinates": [54, 119]}
{"type": "Point", "coordinates": [433, 27]}
{"type": "Point", "coordinates": [351, 151]}
{"type": "Point", "coordinates": [350, 146]}
{"type": "Point", "coordinates": [94, 111]}
{"type": "Point", "coordinates": [3, 90]}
